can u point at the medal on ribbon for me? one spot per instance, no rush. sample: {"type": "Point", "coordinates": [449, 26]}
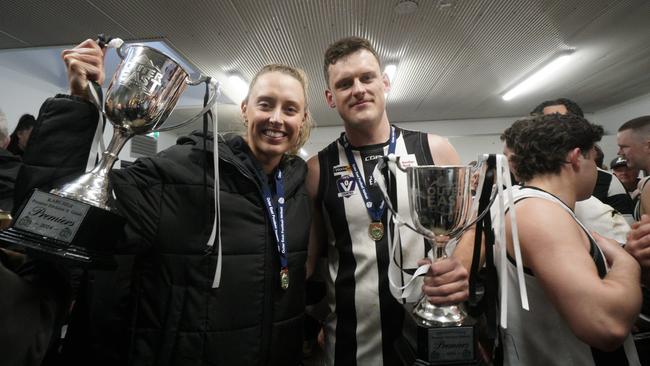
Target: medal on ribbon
{"type": "Point", "coordinates": [375, 209]}
{"type": "Point", "coordinates": [284, 278]}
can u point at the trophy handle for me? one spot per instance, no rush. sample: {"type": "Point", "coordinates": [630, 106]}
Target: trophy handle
{"type": "Point", "coordinates": [481, 165]}
{"type": "Point", "coordinates": [215, 86]}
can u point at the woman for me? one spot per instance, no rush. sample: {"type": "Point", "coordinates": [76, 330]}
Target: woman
{"type": "Point", "coordinates": [21, 133]}
{"type": "Point", "coordinates": [171, 314]}
{"type": "Point", "coordinates": [583, 289]}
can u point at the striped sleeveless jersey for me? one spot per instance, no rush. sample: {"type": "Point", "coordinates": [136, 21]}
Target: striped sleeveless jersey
{"type": "Point", "coordinates": [541, 336]}
{"type": "Point", "coordinates": [365, 319]}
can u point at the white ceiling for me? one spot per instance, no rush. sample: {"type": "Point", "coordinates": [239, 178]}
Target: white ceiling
{"type": "Point", "coordinates": [455, 57]}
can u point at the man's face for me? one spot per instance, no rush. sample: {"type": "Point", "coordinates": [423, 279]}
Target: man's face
{"type": "Point", "coordinates": [627, 176]}
{"type": "Point", "coordinates": [588, 174]}
{"type": "Point", "coordinates": [634, 148]}
{"type": "Point", "coordinates": [356, 89]}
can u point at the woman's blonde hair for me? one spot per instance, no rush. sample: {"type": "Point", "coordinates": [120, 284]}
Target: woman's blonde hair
{"type": "Point", "coordinates": [298, 74]}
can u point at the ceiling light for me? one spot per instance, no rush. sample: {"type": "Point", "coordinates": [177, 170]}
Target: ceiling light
{"type": "Point", "coordinates": [406, 7]}
{"type": "Point", "coordinates": [540, 77]}
{"type": "Point", "coordinates": [390, 71]}
{"type": "Point", "coordinates": [238, 86]}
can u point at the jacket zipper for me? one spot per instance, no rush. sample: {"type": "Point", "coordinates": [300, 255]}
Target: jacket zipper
{"type": "Point", "coordinates": [268, 278]}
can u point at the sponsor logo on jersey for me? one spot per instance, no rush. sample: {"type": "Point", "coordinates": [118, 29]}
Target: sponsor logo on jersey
{"type": "Point", "coordinates": [342, 170]}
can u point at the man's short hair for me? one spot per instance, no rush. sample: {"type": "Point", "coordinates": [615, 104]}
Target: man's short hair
{"type": "Point", "coordinates": [640, 125]}
{"type": "Point", "coordinates": [570, 105]}
{"type": "Point", "coordinates": [540, 143]}
{"type": "Point", "coordinates": [4, 129]}
{"type": "Point", "coordinates": [342, 48]}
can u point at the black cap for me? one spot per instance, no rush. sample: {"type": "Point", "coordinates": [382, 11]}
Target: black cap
{"type": "Point", "coordinates": [618, 162]}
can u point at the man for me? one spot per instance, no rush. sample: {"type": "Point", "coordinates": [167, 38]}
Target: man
{"type": "Point", "coordinates": [628, 176]}
{"type": "Point", "coordinates": [609, 210]}
{"type": "Point", "coordinates": [633, 140]}
{"type": "Point", "coordinates": [365, 319]}
{"type": "Point", "coordinates": [568, 319]}
{"type": "Point", "coordinates": [608, 189]}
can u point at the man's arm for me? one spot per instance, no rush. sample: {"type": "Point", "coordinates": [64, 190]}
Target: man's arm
{"type": "Point", "coordinates": [599, 311]}
{"type": "Point", "coordinates": [442, 152]}
{"type": "Point", "coordinates": [638, 245]}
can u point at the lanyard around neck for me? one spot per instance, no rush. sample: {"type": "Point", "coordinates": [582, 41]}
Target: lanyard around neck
{"type": "Point", "coordinates": [375, 210]}
{"type": "Point", "coordinates": [276, 216]}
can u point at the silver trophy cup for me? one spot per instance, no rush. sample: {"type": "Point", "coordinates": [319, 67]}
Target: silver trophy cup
{"type": "Point", "coordinates": [77, 223]}
{"type": "Point", "coordinates": [440, 203]}
{"type": "Point", "coordinates": [143, 92]}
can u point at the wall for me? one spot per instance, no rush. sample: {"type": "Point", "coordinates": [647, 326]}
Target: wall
{"type": "Point", "coordinates": [20, 94]}
{"type": "Point", "coordinates": [470, 137]}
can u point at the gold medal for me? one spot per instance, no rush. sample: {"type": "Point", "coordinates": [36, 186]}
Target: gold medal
{"type": "Point", "coordinates": [376, 230]}
{"type": "Point", "coordinates": [284, 278]}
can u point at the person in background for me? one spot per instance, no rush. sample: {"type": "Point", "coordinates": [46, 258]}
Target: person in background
{"type": "Point", "coordinates": [9, 167]}
{"type": "Point", "coordinates": [633, 140]}
{"type": "Point", "coordinates": [628, 176]}
{"type": "Point", "coordinates": [20, 136]}
{"type": "Point", "coordinates": [588, 319]}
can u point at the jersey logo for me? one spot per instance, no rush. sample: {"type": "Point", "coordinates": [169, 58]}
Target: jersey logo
{"type": "Point", "coordinates": [345, 185]}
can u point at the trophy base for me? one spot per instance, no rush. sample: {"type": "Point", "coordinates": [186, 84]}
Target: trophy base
{"type": "Point", "coordinates": [63, 230]}
{"type": "Point", "coordinates": [451, 345]}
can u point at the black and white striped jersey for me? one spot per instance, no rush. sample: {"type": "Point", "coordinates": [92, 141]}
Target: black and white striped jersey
{"type": "Point", "coordinates": [365, 319]}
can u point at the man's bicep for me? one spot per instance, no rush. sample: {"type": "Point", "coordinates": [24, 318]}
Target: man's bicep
{"type": "Point", "coordinates": [442, 152]}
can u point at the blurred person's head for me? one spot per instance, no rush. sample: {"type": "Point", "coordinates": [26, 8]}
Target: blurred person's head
{"type": "Point", "coordinates": [628, 176]}
{"type": "Point", "coordinates": [560, 105]}
{"type": "Point", "coordinates": [4, 131]}
{"type": "Point", "coordinates": [20, 136]}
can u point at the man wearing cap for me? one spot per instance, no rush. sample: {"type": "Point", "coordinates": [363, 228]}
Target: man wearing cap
{"type": "Point", "coordinates": [629, 176]}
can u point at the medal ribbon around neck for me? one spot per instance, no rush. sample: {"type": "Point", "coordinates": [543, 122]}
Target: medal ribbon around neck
{"type": "Point", "coordinates": [276, 215]}
{"type": "Point", "coordinates": [375, 210]}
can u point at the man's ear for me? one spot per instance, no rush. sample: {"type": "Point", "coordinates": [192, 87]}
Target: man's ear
{"type": "Point", "coordinates": [573, 157]}
{"type": "Point", "coordinates": [386, 82]}
{"type": "Point", "coordinates": [329, 97]}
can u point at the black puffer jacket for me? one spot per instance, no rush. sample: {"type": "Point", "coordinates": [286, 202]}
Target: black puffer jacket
{"type": "Point", "coordinates": [174, 316]}
{"type": "Point", "coordinates": [9, 166]}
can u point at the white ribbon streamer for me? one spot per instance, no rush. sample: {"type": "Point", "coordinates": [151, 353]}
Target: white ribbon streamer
{"type": "Point", "coordinates": [503, 179]}
{"type": "Point", "coordinates": [97, 145]}
{"type": "Point", "coordinates": [216, 224]}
